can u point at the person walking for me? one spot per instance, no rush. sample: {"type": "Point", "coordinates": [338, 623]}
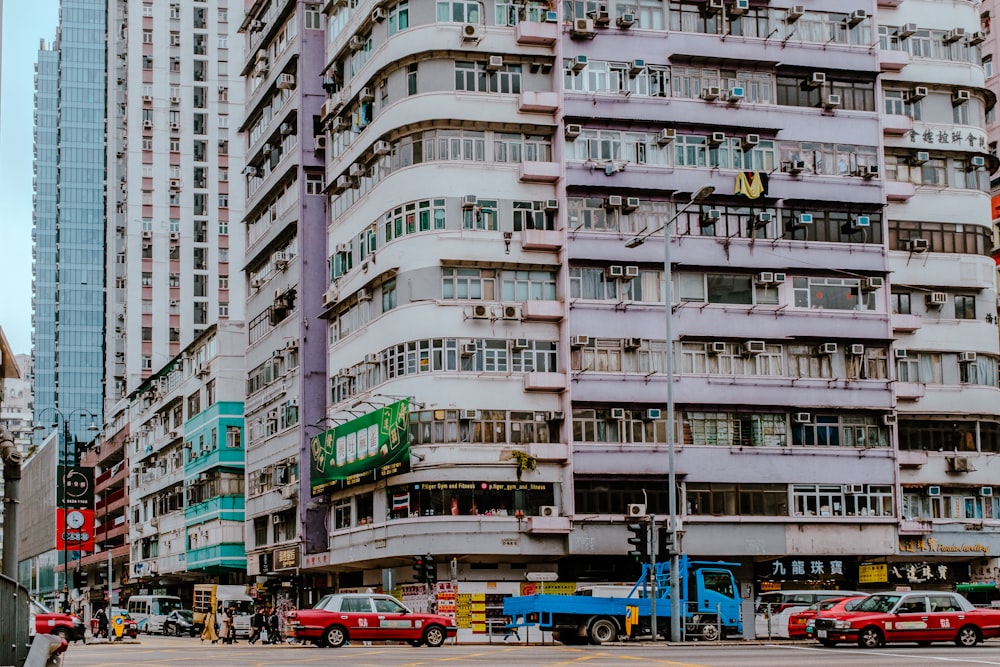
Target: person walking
{"type": "Point", "coordinates": [510, 630]}
{"type": "Point", "coordinates": [257, 624]}
{"type": "Point", "coordinates": [208, 633]}
{"type": "Point", "coordinates": [102, 622]}
{"type": "Point", "coordinates": [273, 636]}
{"type": "Point", "coordinates": [226, 627]}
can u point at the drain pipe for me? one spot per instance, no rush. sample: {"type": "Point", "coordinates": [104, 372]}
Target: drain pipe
{"type": "Point", "coordinates": [11, 457]}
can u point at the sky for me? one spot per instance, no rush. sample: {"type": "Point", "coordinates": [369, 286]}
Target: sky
{"type": "Point", "coordinates": [25, 23]}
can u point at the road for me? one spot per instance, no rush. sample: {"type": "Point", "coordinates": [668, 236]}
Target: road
{"type": "Point", "coordinates": [174, 652]}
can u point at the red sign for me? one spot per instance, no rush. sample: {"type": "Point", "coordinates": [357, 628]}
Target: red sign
{"type": "Point", "coordinates": [74, 529]}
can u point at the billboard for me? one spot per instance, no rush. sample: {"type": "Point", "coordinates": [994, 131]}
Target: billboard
{"type": "Point", "coordinates": [371, 447]}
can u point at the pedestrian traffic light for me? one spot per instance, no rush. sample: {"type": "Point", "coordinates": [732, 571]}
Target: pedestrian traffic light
{"type": "Point", "coordinates": [80, 579]}
{"type": "Point", "coordinates": [639, 540]}
{"type": "Point", "coordinates": [419, 573]}
{"type": "Point", "coordinates": [430, 569]}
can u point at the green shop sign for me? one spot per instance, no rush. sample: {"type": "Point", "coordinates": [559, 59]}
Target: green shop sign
{"type": "Point", "coordinates": [371, 447]}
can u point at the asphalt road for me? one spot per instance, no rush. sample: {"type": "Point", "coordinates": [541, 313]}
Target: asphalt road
{"type": "Point", "coordinates": [187, 652]}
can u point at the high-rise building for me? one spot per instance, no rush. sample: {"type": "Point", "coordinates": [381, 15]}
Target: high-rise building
{"type": "Point", "coordinates": [69, 221]}
{"type": "Point", "coordinates": [499, 178]}
{"type": "Point", "coordinates": [174, 188]}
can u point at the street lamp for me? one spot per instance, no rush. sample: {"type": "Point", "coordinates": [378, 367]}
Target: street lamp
{"type": "Point", "coordinates": [668, 370]}
{"type": "Point", "coordinates": [64, 455]}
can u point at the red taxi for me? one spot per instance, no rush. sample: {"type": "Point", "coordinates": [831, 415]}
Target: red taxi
{"type": "Point", "coordinates": [798, 622]}
{"type": "Point", "coordinates": [340, 617]}
{"type": "Point", "coordinates": [923, 617]}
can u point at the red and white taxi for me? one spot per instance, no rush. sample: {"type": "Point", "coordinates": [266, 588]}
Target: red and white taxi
{"type": "Point", "coordinates": [341, 617]}
{"type": "Point", "coordinates": [918, 616]}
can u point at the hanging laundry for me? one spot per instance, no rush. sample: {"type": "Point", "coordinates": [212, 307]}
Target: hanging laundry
{"type": "Point", "coordinates": [751, 184]}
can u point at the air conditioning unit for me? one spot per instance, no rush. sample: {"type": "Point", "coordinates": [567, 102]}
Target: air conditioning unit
{"type": "Point", "coordinates": [666, 135]}
{"type": "Point", "coordinates": [920, 157]}
{"type": "Point", "coordinates": [494, 63]}
{"type": "Point", "coordinates": [343, 183]}
{"type": "Point", "coordinates": [636, 67]}
{"type": "Point", "coordinates": [918, 93]}
{"type": "Point", "coordinates": [147, 123]}
{"type": "Point", "coordinates": [548, 510]}
{"type": "Point", "coordinates": [372, 358]}
{"type": "Point", "coordinates": [739, 8]}
{"type": "Point", "coordinates": [579, 341]}
{"type": "Point", "coordinates": [286, 128]}
{"type": "Point", "coordinates": [618, 413]}
{"type": "Point", "coordinates": [936, 298]}
{"type": "Point", "coordinates": [907, 30]}
{"type": "Point", "coordinates": [711, 216]}
{"type": "Point", "coordinates": [469, 415]}
{"type": "Point", "coordinates": [802, 418]}
{"type": "Point", "coordinates": [868, 171]}
{"type": "Point", "coordinates": [735, 94]}
{"type": "Point", "coordinates": [831, 101]}
{"type": "Point", "coordinates": [827, 348]}
{"type": "Point", "coordinates": [976, 162]}
{"type": "Point", "coordinates": [710, 93]}
{"type": "Point", "coordinates": [601, 18]}
{"type": "Point", "coordinates": [573, 131]}
{"type": "Point", "coordinates": [933, 490]}
{"type": "Point", "coordinates": [579, 63]}
{"type": "Point", "coordinates": [795, 12]}
{"type": "Point", "coordinates": [582, 28]}
{"type": "Point", "coordinates": [816, 79]}
{"type": "Point", "coordinates": [797, 167]}
{"type": "Point", "coordinates": [632, 343]}
{"type": "Point", "coordinates": [635, 510]}
{"type": "Point", "coordinates": [520, 344]}
{"type": "Point", "coordinates": [469, 350]}
{"type": "Point", "coordinates": [917, 245]}
{"type": "Point", "coordinates": [469, 201]}
{"type": "Point", "coordinates": [175, 184]}
{"type": "Point", "coordinates": [175, 236]}
{"type": "Point", "coordinates": [630, 204]}
{"type": "Point", "coordinates": [286, 81]}
{"type": "Point", "coordinates": [480, 312]}
{"type": "Point", "coordinates": [801, 220]}
{"type": "Point", "coordinates": [355, 43]}
{"type": "Point", "coordinates": [856, 17]}
{"type": "Point", "coordinates": [889, 419]}
{"type": "Point", "coordinates": [551, 205]}
{"type": "Point", "coordinates": [765, 278]}
{"type": "Point", "coordinates": [854, 489]}
{"type": "Point", "coordinates": [555, 416]}
{"type": "Point", "coordinates": [382, 148]}
{"type": "Point", "coordinates": [717, 347]}
{"type": "Point", "coordinates": [974, 38]}
{"type": "Point", "coordinates": [954, 35]}
{"type": "Point", "coordinates": [986, 491]}
{"type": "Point", "coordinates": [652, 413]}
{"type": "Point", "coordinates": [356, 170]}
{"type": "Point", "coordinates": [632, 271]}
{"type": "Point", "coordinates": [762, 219]}
{"type": "Point", "coordinates": [378, 15]}
{"type": "Point", "coordinates": [614, 272]}
{"type": "Point", "coordinates": [872, 283]}
{"type": "Point", "coordinates": [900, 353]}
{"type": "Point", "coordinates": [275, 519]}
{"type": "Point", "coordinates": [256, 25]}
{"type": "Point", "coordinates": [856, 349]}
{"type": "Point", "coordinates": [552, 17]}
{"type": "Point", "coordinates": [266, 148]}
{"type": "Point", "coordinates": [338, 124]}
{"type": "Point", "coordinates": [967, 357]}
{"type": "Point", "coordinates": [613, 201]}
{"type": "Point", "coordinates": [750, 141]}
{"type": "Point", "coordinates": [364, 294]}
{"type": "Point", "coordinates": [858, 223]}
{"type": "Point", "coordinates": [751, 347]}
{"type": "Point", "coordinates": [472, 32]}
{"type": "Point", "coordinates": [510, 311]}
{"type": "Point", "coordinates": [960, 97]}
{"type": "Point", "coordinates": [713, 7]}
{"type": "Point", "coordinates": [626, 21]}
{"type": "Point", "coordinates": [958, 464]}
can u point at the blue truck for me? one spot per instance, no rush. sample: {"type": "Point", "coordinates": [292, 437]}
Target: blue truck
{"type": "Point", "coordinates": [709, 602]}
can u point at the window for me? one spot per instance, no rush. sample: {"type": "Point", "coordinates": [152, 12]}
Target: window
{"type": "Point", "coordinates": [468, 283]}
{"type": "Point", "coordinates": [411, 79]}
{"type": "Point", "coordinates": [389, 295]}
{"type": "Point", "coordinates": [965, 307]}
{"type": "Point", "coordinates": [399, 17]}
{"type": "Point", "coordinates": [901, 303]}
{"type": "Point", "coordinates": [828, 430]}
{"type": "Point", "coordinates": [722, 499]}
{"type": "Point", "coordinates": [832, 294]}
{"type": "Point", "coordinates": [458, 11]}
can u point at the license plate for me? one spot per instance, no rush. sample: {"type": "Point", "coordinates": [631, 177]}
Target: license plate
{"type": "Point", "coordinates": [821, 634]}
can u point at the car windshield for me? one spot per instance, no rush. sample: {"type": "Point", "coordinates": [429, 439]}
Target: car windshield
{"type": "Point", "coordinates": [186, 614]}
{"type": "Point", "coordinates": [167, 606]}
{"type": "Point", "coordinates": [241, 606]}
{"type": "Point", "coordinates": [120, 612]}
{"type": "Point", "coordinates": [878, 603]}
{"type": "Point", "coordinates": [39, 608]}
{"type": "Point", "coordinates": [852, 605]}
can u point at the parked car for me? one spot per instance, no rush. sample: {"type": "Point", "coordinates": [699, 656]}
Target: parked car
{"type": "Point", "coordinates": [774, 608]}
{"type": "Point", "coordinates": [130, 627]}
{"type": "Point", "coordinates": [337, 618]}
{"type": "Point", "coordinates": [842, 609]}
{"type": "Point", "coordinates": [923, 617]}
{"type": "Point", "coordinates": [798, 621]}
{"type": "Point", "coordinates": [181, 622]}
{"type": "Point", "coordinates": [47, 622]}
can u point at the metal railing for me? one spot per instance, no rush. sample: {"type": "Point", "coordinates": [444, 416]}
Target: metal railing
{"type": "Point", "coordinates": [14, 628]}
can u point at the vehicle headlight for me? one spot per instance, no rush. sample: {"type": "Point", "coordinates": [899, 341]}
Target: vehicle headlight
{"type": "Point", "coordinates": [810, 623]}
{"type": "Point", "coordinates": [842, 625]}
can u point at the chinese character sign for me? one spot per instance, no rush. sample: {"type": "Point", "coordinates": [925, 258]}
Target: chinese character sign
{"type": "Point", "coordinates": [371, 447]}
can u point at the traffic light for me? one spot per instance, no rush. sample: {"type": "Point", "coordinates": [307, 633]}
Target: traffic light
{"type": "Point", "coordinates": [419, 573]}
{"type": "Point", "coordinates": [667, 545]}
{"type": "Point", "coordinates": [80, 579]}
{"type": "Point", "coordinates": [430, 569]}
{"type": "Point", "coordinates": [639, 540]}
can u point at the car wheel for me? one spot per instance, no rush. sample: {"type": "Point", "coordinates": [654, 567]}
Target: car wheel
{"type": "Point", "coordinates": [335, 636]}
{"type": "Point", "coordinates": [829, 643]}
{"type": "Point", "coordinates": [602, 630]}
{"type": "Point", "coordinates": [710, 632]}
{"type": "Point", "coordinates": [62, 633]}
{"type": "Point", "coordinates": [434, 636]}
{"type": "Point", "coordinates": [870, 637]}
{"type": "Point", "coordinates": [968, 636]}
{"type": "Point", "coordinates": [414, 642]}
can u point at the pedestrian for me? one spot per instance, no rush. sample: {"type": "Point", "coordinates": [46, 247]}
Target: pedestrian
{"type": "Point", "coordinates": [102, 622]}
{"type": "Point", "coordinates": [208, 633]}
{"type": "Point", "coordinates": [226, 627]}
{"type": "Point", "coordinates": [257, 625]}
{"type": "Point", "coordinates": [510, 630]}
{"type": "Point", "coordinates": [273, 636]}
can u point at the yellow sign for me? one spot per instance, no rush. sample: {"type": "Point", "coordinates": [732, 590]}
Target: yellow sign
{"type": "Point", "coordinates": [914, 545]}
{"type": "Point", "coordinates": [631, 618]}
{"type": "Point", "coordinates": [873, 574]}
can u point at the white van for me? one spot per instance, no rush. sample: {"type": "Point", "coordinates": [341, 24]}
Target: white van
{"type": "Point", "coordinates": [774, 608]}
{"type": "Point", "coordinates": [149, 611]}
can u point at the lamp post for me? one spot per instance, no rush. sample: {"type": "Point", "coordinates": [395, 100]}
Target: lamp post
{"type": "Point", "coordinates": [668, 370]}
{"type": "Point", "coordinates": [64, 455]}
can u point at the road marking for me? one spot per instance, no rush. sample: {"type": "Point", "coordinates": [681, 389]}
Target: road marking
{"type": "Point", "coordinates": [904, 656]}
{"type": "Point", "coordinates": [590, 655]}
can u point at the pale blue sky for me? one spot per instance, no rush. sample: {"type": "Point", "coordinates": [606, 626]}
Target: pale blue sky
{"type": "Point", "coordinates": [25, 23]}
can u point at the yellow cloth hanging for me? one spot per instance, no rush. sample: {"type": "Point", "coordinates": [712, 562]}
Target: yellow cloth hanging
{"type": "Point", "coordinates": [749, 184]}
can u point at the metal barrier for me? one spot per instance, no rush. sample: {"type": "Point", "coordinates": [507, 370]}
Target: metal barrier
{"type": "Point", "coordinates": [14, 628]}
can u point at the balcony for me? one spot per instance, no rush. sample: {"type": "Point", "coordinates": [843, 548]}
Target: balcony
{"type": "Point", "coordinates": [541, 239]}
{"type": "Point", "coordinates": [542, 311]}
{"type": "Point", "coordinates": [915, 527]}
{"type": "Point", "coordinates": [896, 125]}
{"type": "Point", "coordinates": [532, 101]}
{"type": "Point", "coordinates": [892, 61]}
{"type": "Point", "coordinates": [899, 191]}
{"type": "Point", "coordinates": [549, 525]}
{"type": "Point", "coordinates": [906, 323]}
{"type": "Point", "coordinates": [544, 381]}
{"type": "Point", "coordinates": [910, 391]}
{"type": "Point", "coordinates": [537, 34]}
{"type": "Point", "coordinates": [539, 172]}
{"type": "Point", "coordinates": [911, 458]}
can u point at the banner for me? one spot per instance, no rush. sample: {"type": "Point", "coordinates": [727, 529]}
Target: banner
{"type": "Point", "coordinates": [371, 447]}
{"type": "Point", "coordinates": [74, 529]}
